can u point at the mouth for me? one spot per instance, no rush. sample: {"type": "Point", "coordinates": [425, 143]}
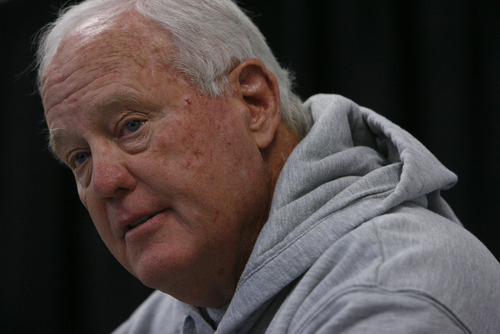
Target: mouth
{"type": "Point", "coordinates": [138, 222]}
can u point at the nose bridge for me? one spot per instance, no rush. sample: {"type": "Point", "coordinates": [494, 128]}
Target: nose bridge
{"type": "Point", "coordinates": [109, 170]}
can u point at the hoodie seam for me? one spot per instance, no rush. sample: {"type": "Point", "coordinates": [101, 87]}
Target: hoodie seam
{"type": "Point", "coordinates": [410, 293]}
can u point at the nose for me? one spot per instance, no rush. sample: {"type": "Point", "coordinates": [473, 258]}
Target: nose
{"type": "Point", "coordinates": [110, 174]}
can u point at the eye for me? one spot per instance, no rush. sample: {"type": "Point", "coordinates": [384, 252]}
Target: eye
{"type": "Point", "coordinates": [79, 159]}
{"type": "Point", "coordinates": [132, 126]}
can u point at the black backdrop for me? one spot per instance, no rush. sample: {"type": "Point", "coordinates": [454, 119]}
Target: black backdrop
{"type": "Point", "coordinates": [432, 66]}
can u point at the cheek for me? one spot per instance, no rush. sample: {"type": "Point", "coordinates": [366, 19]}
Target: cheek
{"type": "Point", "coordinates": [99, 218]}
{"type": "Point", "coordinates": [81, 194]}
{"type": "Point", "coordinates": [205, 151]}
{"type": "Point", "coordinates": [97, 213]}
{"type": "Point", "coordinates": [114, 244]}
{"type": "Point", "coordinates": [185, 144]}
{"type": "Point", "coordinates": [196, 150]}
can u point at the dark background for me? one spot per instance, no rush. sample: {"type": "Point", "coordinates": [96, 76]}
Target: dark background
{"type": "Point", "coordinates": [432, 66]}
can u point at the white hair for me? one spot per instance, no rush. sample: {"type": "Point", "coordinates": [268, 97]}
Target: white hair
{"type": "Point", "coordinates": [210, 37]}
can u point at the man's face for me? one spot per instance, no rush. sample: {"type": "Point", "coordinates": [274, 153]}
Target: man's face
{"type": "Point", "coordinates": [173, 180]}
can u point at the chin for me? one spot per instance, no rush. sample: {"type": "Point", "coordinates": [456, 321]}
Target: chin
{"type": "Point", "coordinates": [181, 279]}
{"type": "Point", "coordinates": [169, 272]}
{"type": "Point", "coordinates": [158, 271]}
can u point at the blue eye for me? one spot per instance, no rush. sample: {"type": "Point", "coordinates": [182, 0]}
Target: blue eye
{"type": "Point", "coordinates": [80, 158]}
{"type": "Point", "coordinates": [134, 125]}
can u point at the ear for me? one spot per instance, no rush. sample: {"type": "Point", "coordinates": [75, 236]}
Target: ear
{"type": "Point", "coordinates": [257, 88]}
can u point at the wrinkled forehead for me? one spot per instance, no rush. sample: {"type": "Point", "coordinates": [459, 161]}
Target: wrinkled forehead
{"type": "Point", "coordinates": [128, 39]}
{"type": "Point", "coordinates": [126, 30]}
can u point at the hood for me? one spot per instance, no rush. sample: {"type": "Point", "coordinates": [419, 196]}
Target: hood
{"type": "Point", "coordinates": [353, 165]}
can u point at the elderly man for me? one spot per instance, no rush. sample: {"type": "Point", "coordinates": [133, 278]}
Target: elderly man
{"type": "Point", "coordinates": [247, 210]}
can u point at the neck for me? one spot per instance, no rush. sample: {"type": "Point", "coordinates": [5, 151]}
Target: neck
{"type": "Point", "coordinates": [280, 149]}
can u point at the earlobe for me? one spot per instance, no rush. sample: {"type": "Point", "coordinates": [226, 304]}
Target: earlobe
{"type": "Point", "coordinates": [257, 88]}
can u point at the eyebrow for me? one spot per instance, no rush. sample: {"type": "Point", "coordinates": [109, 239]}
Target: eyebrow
{"type": "Point", "coordinates": [117, 99]}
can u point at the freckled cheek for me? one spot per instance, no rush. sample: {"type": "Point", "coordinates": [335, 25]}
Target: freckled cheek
{"type": "Point", "coordinates": [161, 147]}
{"type": "Point", "coordinates": [208, 150]}
{"type": "Point", "coordinates": [180, 148]}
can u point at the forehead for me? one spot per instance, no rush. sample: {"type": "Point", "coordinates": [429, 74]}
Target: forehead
{"type": "Point", "coordinates": [101, 44]}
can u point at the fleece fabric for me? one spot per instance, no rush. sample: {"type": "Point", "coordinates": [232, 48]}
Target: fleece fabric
{"type": "Point", "coordinates": [358, 240]}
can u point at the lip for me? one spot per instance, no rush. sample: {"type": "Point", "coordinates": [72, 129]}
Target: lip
{"type": "Point", "coordinates": [138, 222]}
{"type": "Point", "coordinates": [134, 222]}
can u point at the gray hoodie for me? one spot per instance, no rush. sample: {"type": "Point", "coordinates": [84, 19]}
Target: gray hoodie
{"type": "Point", "coordinates": [358, 240]}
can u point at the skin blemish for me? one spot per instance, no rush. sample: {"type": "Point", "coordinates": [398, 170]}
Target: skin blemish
{"type": "Point", "coordinates": [198, 153]}
{"type": "Point", "coordinates": [187, 163]}
{"type": "Point", "coordinates": [216, 216]}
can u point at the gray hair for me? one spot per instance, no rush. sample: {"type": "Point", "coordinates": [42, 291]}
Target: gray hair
{"type": "Point", "coordinates": [210, 37]}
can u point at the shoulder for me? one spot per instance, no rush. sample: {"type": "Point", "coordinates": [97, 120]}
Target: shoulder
{"type": "Point", "coordinates": [424, 253]}
{"type": "Point", "coordinates": [429, 252]}
{"type": "Point", "coordinates": [408, 266]}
